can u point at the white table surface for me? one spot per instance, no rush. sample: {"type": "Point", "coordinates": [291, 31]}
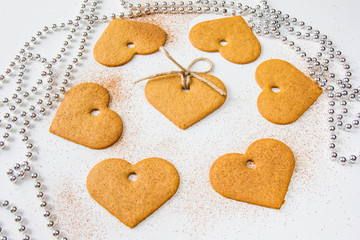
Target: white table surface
{"type": "Point", "coordinates": [323, 197]}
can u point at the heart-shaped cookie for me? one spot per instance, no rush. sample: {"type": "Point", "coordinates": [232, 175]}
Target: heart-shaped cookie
{"type": "Point", "coordinates": [230, 36]}
{"type": "Point", "coordinates": [287, 92]}
{"type": "Point", "coordinates": [122, 39]}
{"type": "Point", "coordinates": [108, 183]}
{"type": "Point", "coordinates": [184, 108]}
{"type": "Point", "coordinates": [266, 185]}
{"type": "Point", "coordinates": [75, 120]}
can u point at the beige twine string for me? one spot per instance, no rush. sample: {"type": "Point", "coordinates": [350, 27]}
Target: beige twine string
{"type": "Point", "coordinates": [186, 73]}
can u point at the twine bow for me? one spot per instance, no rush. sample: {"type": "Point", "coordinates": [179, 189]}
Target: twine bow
{"type": "Point", "coordinates": [187, 73]}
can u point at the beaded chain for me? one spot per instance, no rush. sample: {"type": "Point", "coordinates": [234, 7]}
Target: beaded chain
{"type": "Point", "coordinates": [25, 105]}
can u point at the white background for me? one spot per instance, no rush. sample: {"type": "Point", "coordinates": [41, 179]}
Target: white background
{"type": "Point", "coordinates": [323, 197]}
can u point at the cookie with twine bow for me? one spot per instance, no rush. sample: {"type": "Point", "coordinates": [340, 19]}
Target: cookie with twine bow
{"type": "Point", "coordinates": [185, 97]}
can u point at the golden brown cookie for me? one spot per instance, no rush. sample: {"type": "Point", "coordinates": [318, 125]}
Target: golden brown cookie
{"type": "Point", "coordinates": [122, 39]}
{"type": "Point", "coordinates": [266, 184]}
{"type": "Point", "coordinates": [108, 183]}
{"type": "Point", "coordinates": [74, 120]}
{"type": "Point", "coordinates": [184, 108]}
{"type": "Point", "coordinates": [297, 91]}
{"type": "Point", "coordinates": [230, 36]}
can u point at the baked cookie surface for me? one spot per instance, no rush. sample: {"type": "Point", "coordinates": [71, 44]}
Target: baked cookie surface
{"type": "Point", "coordinates": [230, 36]}
{"type": "Point", "coordinates": [266, 184]}
{"type": "Point", "coordinates": [184, 108]}
{"type": "Point", "coordinates": [296, 92]}
{"type": "Point", "coordinates": [123, 39]}
{"type": "Point", "coordinates": [131, 202]}
{"type": "Point", "coordinates": [74, 120]}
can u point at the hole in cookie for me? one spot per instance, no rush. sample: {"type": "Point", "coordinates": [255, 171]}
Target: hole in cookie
{"type": "Point", "coordinates": [185, 89]}
{"type": "Point", "coordinates": [132, 177]}
{"type": "Point", "coordinates": [130, 45]}
{"type": "Point", "coordinates": [95, 112]}
{"type": "Point", "coordinates": [223, 43]}
{"type": "Point", "coordinates": [250, 164]}
{"type": "Point", "coordinates": [275, 89]}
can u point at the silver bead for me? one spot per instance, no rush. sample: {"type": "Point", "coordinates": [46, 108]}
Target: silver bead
{"type": "Point", "coordinates": [21, 174]}
{"type": "Point", "coordinates": [352, 159]}
{"type": "Point", "coordinates": [5, 203]}
{"type": "Point", "coordinates": [40, 194]}
{"type": "Point", "coordinates": [17, 166]}
{"type": "Point", "coordinates": [34, 175]}
{"type": "Point", "coordinates": [43, 204]}
{"type": "Point", "coordinates": [348, 126]}
{"type": "Point", "coordinates": [56, 233]}
{"type": "Point", "coordinates": [46, 214]}
{"type": "Point", "coordinates": [356, 123]}
{"type": "Point", "coordinates": [342, 160]}
{"type": "Point", "coordinates": [13, 209]}
{"type": "Point", "coordinates": [22, 228]}
{"type": "Point", "coordinates": [37, 185]}
{"type": "Point", "coordinates": [50, 224]}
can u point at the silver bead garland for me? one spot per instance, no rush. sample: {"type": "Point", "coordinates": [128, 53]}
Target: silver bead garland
{"type": "Point", "coordinates": [5, 204]}
{"type": "Point", "coordinates": [264, 21]}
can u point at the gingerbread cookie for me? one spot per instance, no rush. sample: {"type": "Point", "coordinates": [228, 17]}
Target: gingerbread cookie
{"type": "Point", "coordinates": [265, 184]}
{"type": "Point", "coordinates": [75, 120]}
{"type": "Point", "coordinates": [184, 107]}
{"type": "Point", "coordinates": [108, 183]}
{"type": "Point", "coordinates": [287, 92]}
{"type": "Point", "coordinates": [122, 39]}
{"type": "Point", "coordinates": [230, 36]}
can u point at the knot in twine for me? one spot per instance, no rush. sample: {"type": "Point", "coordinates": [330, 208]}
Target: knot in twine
{"type": "Point", "coordinates": [187, 73]}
